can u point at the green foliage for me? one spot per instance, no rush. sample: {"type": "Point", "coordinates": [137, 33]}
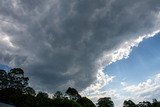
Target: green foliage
{"type": "Point", "coordinates": [58, 95]}
{"type": "Point", "coordinates": [144, 104]}
{"type": "Point", "coordinates": [29, 91]}
{"type": "Point", "coordinates": [73, 93]}
{"type": "Point", "coordinates": [3, 79]}
{"type": "Point", "coordinates": [17, 79]}
{"type": "Point", "coordinates": [129, 103]}
{"type": "Point", "coordinates": [14, 90]}
{"type": "Point", "coordinates": [14, 79]}
{"type": "Point", "coordinates": [85, 102]}
{"type": "Point", "coordinates": [42, 95]}
{"type": "Point", "coordinates": [155, 103]}
{"type": "Point", "coordinates": [105, 102]}
{"type": "Point", "coordinates": [65, 103]}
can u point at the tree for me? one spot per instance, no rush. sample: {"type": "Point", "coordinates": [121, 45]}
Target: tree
{"type": "Point", "coordinates": [3, 79]}
{"type": "Point", "coordinates": [85, 102]}
{"type": "Point", "coordinates": [64, 103]}
{"type": "Point", "coordinates": [13, 79]}
{"type": "Point", "coordinates": [17, 79]}
{"type": "Point", "coordinates": [29, 91]}
{"type": "Point", "coordinates": [144, 104]}
{"type": "Point", "coordinates": [105, 102]}
{"type": "Point", "coordinates": [73, 93]}
{"type": "Point", "coordinates": [129, 103]}
{"type": "Point", "coordinates": [42, 95]}
{"type": "Point", "coordinates": [155, 103]}
{"type": "Point", "coordinates": [58, 95]}
{"type": "Point", "coordinates": [13, 86]}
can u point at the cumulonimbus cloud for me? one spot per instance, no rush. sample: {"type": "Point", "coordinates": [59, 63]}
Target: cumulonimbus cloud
{"type": "Point", "coordinates": [59, 43]}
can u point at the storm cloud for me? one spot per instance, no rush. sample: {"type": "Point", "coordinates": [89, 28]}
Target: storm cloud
{"type": "Point", "coordinates": [59, 42]}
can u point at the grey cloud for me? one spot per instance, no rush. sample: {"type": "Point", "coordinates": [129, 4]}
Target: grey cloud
{"type": "Point", "coordinates": [61, 40]}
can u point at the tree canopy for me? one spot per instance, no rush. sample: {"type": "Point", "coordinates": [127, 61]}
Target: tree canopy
{"type": "Point", "coordinates": [73, 93]}
{"type": "Point", "coordinates": [129, 103]}
{"type": "Point", "coordinates": [85, 102]}
{"type": "Point", "coordinates": [14, 90]}
{"type": "Point", "coordinates": [105, 102]}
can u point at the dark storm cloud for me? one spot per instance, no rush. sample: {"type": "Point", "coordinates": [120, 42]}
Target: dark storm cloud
{"type": "Point", "coordinates": [59, 41]}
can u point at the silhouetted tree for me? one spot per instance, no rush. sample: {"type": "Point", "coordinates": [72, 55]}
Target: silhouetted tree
{"type": "Point", "coordinates": [144, 104]}
{"type": "Point", "coordinates": [73, 93]}
{"type": "Point", "coordinates": [105, 102]}
{"type": "Point", "coordinates": [16, 79]}
{"type": "Point", "coordinates": [3, 79]}
{"type": "Point", "coordinates": [42, 95]}
{"type": "Point", "coordinates": [13, 86]}
{"type": "Point", "coordinates": [7, 93]}
{"type": "Point", "coordinates": [85, 102]}
{"type": "Point", "coordinates": [129, 103]}
{"type": "Point", "coordinates": [58, 95]}
{"type": "Point", "coordinates": [14, 90]}
{"type": "Point", "coordinates": [155, 103]}
{"type": "Point", "coordinates": [65, 103]}
{"type": "Point", "coordinates": [29, 91]}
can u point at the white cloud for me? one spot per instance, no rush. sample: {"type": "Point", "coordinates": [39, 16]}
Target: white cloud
{"type": "Point", "coordinates": [123, 50]}
{"type": "Point", "coordinates": [143, 91]}
{"type": "Point", "coordinates": [146, 90]}
{"type": "Point", "coordinates": [116, 97]}
{"type": "Point", "coordinates": [94, 91]}
{"type": "Point", "coordinates": [101, 81]}
{"type": "Point", "coordinates": [123, 83]}
{"type": "Point", "coordinates": [106, 59]}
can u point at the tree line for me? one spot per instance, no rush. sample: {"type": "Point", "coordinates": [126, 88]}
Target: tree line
{"type": "Point", "coordinates": [14, 90]}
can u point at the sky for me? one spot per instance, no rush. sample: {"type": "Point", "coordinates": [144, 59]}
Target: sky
{"type": "Point", "coordinates": [140, 71]}
{"type": "Point", "coordinates": [143, 61]}
{"type": "Point", "coordinates": [94, 46]}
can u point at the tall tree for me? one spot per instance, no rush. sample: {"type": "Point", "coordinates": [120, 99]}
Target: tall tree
{"type": "Point", "coordinates": [3, 79]}
{"type": "Point", "coordinates": [155, 103]}
{"type": "Point", "coordinates": [129, 103]}
{"type": "Point", "coordinates": [105, 102]}
{"type": "Point", "coordinates": [58, 95]}
{"type": "Point", "coordinates": [13, 79]}
{"type": "Point", "coordinates": [144, 104]}
{"type": "Point", "coordinates": [73, 93]}
{"type": "Point", "coordinates": [29, 91]}
{"type": "Point", "coordinates": [42, 95]}
{"type": "Point", "coordinates": [85, 102]}
{"type": "Point", "coordinates": [17, 79]}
